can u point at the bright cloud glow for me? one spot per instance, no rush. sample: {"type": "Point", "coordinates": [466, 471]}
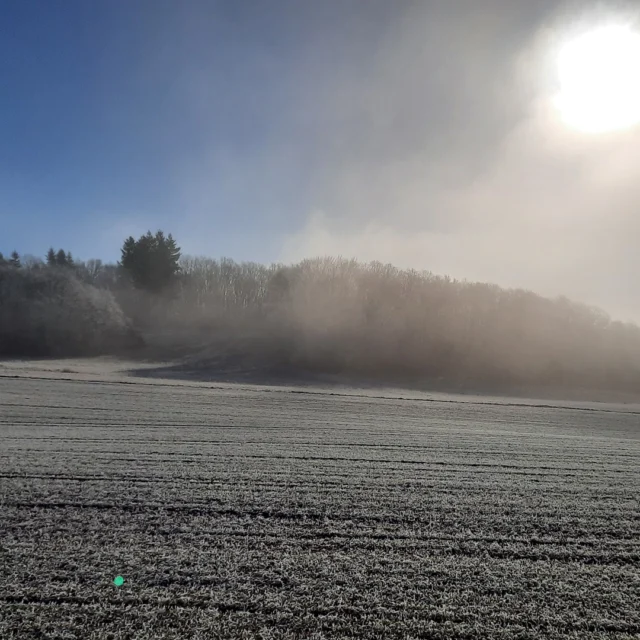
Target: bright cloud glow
{"type": "Point", "coordinates": [599, 75]}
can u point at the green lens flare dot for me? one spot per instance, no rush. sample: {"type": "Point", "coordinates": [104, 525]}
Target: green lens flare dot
{"type": "Point", "coordinates": [118, 581]}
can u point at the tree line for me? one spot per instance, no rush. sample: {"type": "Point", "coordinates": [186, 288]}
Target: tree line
{"type": "Point", "coordinates": [151, 262]}
{"type": "Point", "coordinates": [321, 315]}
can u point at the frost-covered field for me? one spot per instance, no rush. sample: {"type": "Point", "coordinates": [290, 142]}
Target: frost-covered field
{"type": "Point", "coordinates": [252, 512]}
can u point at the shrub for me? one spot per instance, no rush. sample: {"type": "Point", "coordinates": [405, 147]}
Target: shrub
{"type": "Point", "coordinates": [49, 312]}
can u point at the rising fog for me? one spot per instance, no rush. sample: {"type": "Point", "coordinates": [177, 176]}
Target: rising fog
{"type": "Point", "coordinates": [421, 134]}
{"type": "Point", "coordinates": [416, 132]}
{"type": "Point", "coordinates": [447, 154]}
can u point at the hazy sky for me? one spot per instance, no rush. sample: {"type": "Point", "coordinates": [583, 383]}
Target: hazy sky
{"type": "Point", "coordinates": [419, 133]}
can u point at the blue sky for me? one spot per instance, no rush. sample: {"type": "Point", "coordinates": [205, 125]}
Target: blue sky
{"type": "Point", "coordinates": [228, 123]}
{"type": "Point", "coordinates": [121, 115]}
{"type": "Point", "coordinates": [417, 132]}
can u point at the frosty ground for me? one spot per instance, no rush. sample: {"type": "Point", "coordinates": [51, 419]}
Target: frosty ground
{"type": "Point", "coordinates": [245, 511]}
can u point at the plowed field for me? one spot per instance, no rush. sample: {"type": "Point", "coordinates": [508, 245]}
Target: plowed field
{"type": "Point", "coordinates": [253, 512]}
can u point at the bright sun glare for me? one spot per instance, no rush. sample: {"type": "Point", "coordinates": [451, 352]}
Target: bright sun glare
{"type": "Point", "coordinates": [599, 75]}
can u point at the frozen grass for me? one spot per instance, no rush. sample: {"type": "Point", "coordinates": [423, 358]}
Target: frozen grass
{"type": "Point", "coordinates": [244, 512]}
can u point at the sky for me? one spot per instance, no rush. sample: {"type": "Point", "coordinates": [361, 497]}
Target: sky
{"type": "Point", "coordinates": [420, 133]}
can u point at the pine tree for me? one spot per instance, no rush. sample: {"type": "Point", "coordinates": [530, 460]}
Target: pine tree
{"type": "Point", "coordinates": [151, 262]}
{"type": "Point", "coordinates": [51, 257]}
{"type": "Point", "coordinates": [127, 266]}
{"type": "Point", "coordinates": [61, 258]}
{"type": "Point", "coordinates": [14, 261]}
{"type": "Point", "coordinates": [174, 253]}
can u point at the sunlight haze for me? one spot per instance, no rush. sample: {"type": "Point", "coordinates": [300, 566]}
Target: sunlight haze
{"type": "Point", "coordinates": [487, 141]}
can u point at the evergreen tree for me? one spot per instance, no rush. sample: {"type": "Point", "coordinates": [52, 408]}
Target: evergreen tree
{"type": "Point", "coordinates": [61, 258]}
{"type": "Point", "coordinates": [128, 266]}
{"type": "Point", "coordinates": [51, 257]}
{"type": "Point", "coordinates": [151, 262]}
{"type": "Point", "coordinates": [14, 261]}
{"type": "Point", "coordinates": [3, 262]}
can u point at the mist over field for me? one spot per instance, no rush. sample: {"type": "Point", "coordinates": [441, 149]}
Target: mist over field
{"type": "Point", "coordinates": [217, 319]}
{"type": "Point", "coordinates": [468, 237]}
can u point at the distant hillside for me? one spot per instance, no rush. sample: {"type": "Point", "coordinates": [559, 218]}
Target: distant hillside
{"type": "Point", "coordinates": [324, 316]}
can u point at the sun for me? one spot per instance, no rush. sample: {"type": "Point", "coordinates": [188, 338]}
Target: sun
{"type": "Point", "coordinates": [599, 76]}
